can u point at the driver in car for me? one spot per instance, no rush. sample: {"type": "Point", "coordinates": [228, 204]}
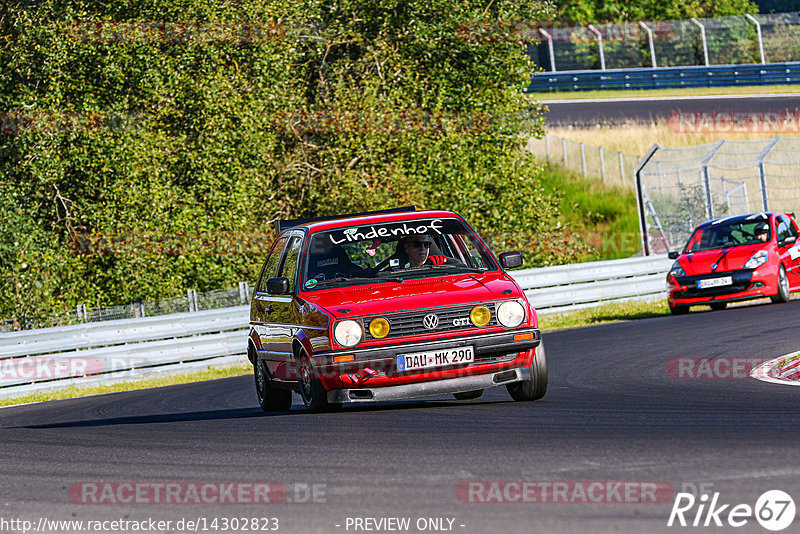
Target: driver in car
{"type": "Point", "coordinates": [418, 249]}
{"type": "Point", "coordinates": [762, 232]}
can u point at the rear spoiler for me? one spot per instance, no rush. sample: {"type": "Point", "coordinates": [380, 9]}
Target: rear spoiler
{"type": "Point", "coordinates": [283, 224]}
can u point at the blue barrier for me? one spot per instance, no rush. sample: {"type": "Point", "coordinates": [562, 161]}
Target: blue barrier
{"type": "Point", "coordinates": [667, 77]}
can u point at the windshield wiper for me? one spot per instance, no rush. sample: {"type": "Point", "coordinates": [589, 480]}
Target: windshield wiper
{"type": "Point", "coordinates": [357, 279]}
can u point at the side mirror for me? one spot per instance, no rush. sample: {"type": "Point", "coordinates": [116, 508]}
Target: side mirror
{"type": "Point", "coordinates": [511, 260]}
{"type": "Point", "coordinates": [278, 286]}
{"type": "Point", "coordinates": [673, 255]}
{"type": "Point", "coordinates": [787, 240]}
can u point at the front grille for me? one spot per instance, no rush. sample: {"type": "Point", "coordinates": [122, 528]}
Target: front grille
{"type": "Point", "coordinates": [741, 282]}
{"type": "Point", "coordinates": [410, 323]}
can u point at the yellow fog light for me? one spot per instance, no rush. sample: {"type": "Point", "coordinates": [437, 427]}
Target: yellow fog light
{"type": "Point", "coordinates": [379, 328]}
{"type": "Point", "coordinates": [480, 316]}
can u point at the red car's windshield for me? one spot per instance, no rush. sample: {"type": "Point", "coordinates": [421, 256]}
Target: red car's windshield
{"type": "Point", "coordinates": [729, 234]}
{"type": "Point", "coordinates": [394, 250]}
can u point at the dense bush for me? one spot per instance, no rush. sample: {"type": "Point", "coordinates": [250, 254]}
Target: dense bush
{"type": "Point", "coordinates": [139, 160]}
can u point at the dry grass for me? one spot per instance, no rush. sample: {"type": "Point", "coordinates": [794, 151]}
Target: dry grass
{"type": "Point", "coordinates": [636, 139]}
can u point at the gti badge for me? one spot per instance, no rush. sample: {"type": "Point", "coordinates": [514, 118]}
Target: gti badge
{"type": "Point", "coordinates": [430, 321]}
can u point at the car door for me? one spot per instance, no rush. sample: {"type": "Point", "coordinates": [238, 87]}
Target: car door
{"type": "Point", "coordinates": [261, 308]}
{"type": "Point", "coordinates": [285, 316]}
{"type": "Point", "coordinates": [789, 251]}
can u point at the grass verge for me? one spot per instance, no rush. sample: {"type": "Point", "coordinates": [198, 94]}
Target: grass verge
{"type": "Point", "coordinates": [77, 391]}
{"type": "Point", "coordinates": [603, 216]}
{"type": "Point", "coordinates": [606, 313]}
{"type": "Point", "coordinates": [686, 91]}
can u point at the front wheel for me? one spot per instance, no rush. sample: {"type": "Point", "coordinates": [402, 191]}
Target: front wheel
{"type": "Point", "coordinates": [270, 398]}
{"type": "Point", "coordinates": [783, 287]}
{"type": "Point", "coordinates": [313, 393]}
{"type": "Point", "coordinates": [536, 387]}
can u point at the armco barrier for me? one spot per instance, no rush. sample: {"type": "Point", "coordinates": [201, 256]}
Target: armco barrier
{"type": "Point", "coordinates": [568, 287]}
{"type": "Point", "coordinates": [666, 77]}
{"type": "Point", "coordinates": [124, 349]}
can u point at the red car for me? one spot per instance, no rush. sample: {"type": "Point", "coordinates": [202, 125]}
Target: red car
{"type": "Point", "coordinates": [389, 305]}
{"type": "Point", "coordinates": [736, 258]}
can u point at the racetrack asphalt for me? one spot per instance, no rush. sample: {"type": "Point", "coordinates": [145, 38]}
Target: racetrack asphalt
{"type": "Point", "coordinates": [583, 113]}
{"type": "Point", "coordinates": [613, 413]}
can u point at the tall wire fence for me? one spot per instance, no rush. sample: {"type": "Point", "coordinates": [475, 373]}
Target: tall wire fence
{"type": "Point", "coordinates": [680, 188]}
{"type": "Point", "coordinates": [191, 302]}
{"type": "Point", "coordinates": [613, 168]}
{"type": "Point", "coordinates": [735, 40]}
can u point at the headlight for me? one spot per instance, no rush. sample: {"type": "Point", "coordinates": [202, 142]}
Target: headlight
{"type": "Point", "coordinates": [510, 314]}
{"type": "Point", "coordinates": [348, 333]}
{"type": "Point", "coordinates": [379, 328]}
{"type": "Point", "coordinates": [480, 316]}
{"type": "Point", "coordinates": [677, 271]}
{"type": "Point", "coordinates": [759, 258]}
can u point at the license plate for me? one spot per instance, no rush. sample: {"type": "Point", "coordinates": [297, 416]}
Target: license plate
{"type": "Point", "coordinates": [714, 282]}
{"type": "Point", "coordinates": [435, 358]}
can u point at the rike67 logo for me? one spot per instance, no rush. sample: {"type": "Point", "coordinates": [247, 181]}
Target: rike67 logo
{"type": "Point", "coordinates": [774, 510]}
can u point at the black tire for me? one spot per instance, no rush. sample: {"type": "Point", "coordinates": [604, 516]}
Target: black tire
{"type": "Point", "coordinates": [313, 393]}
{"type": "Point", "coordinates": [678, 310]}
{"type": "Point", "coordinates": [718, 306]}
{"type": "Point", "coordinates": [468, 395]}
{"type": "Point", "coordinates": [536, 387]}
{"type": "Point", "coordinates": [270, 398]}
{"type": "Point", "coordinates": [783, 287]}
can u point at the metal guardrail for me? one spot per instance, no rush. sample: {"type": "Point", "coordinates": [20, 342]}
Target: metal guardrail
{"type": "Point", "coordinates": [667, 77]}
{"type": "Point", "coordinates": [126, 349]}
{"type": "Point", "coordinates": [569, 287]}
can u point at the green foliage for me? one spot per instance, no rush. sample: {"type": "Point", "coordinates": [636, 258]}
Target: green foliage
{"type": "Point", "coordinates": [622, 11]}
{"type": "Point", "coordinates": [139, 161]}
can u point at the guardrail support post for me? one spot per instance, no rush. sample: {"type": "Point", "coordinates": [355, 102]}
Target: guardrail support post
{"type": "Point", "coordinates": [138, 308]}
{"type": "Point", "coordinates": [583, 159]}
{"type": "Point", "coordinates": [244, 292]}
{"type": "Point", "coordinates": [550, 47]}
{"type": "Point", "coordinates": [600, 45]}
{"type": "Point", "coordinates": [703, 37]}
{"type": "Point", "coordinates": [646, 28]}
{"type": "Point", "coordinates": [752, 19]}
{"type": "Point", "coordinates": [547, 147]}
{"type": "Point", "coordinates": [602, 166]}
{"type": "Point", "coordinates": [762, 175]}
{"type": "Point", "coordinates": [80, 311]}
{"type": "Point", "coordinates": [191, 295]}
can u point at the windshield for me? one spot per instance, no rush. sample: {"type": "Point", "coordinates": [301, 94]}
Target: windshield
{"type": "Point", "coordinates": [731, 234]}
{"type": "Point", "coordinates": [392, 252]}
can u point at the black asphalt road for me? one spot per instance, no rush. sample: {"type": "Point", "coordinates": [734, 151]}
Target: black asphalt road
{"type": "Point", "coordinates": [645, 110]}
{"type": "Point", "coordinates": [613, 413]}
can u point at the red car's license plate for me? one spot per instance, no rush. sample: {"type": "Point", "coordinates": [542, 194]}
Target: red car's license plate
{"type": "Point", "coordinates": [435, 358]}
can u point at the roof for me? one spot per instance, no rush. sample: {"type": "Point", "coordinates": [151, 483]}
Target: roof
{"type": "Point", "coordinates": [762, 215]}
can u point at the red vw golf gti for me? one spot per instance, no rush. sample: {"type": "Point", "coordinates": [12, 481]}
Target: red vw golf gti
{"type": "Point", "coordinates": [389, 305]}
{"type": "Point", "coordinates": [736, 258]}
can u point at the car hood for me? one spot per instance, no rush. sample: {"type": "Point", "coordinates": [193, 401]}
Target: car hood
{"type": "Point", "coordinates": [727, 259]}
{"type": "Point", "coordinates": [390, 297]}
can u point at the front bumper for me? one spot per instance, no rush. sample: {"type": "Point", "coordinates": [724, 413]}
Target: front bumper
{"type": "Point", "coordinates": [747, 284]}
{"type": "Point", "coordinates": [430, 388]}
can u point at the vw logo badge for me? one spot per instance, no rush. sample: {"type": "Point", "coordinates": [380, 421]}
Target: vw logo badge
{"type": "Point", "coordinates": [430, 321]}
